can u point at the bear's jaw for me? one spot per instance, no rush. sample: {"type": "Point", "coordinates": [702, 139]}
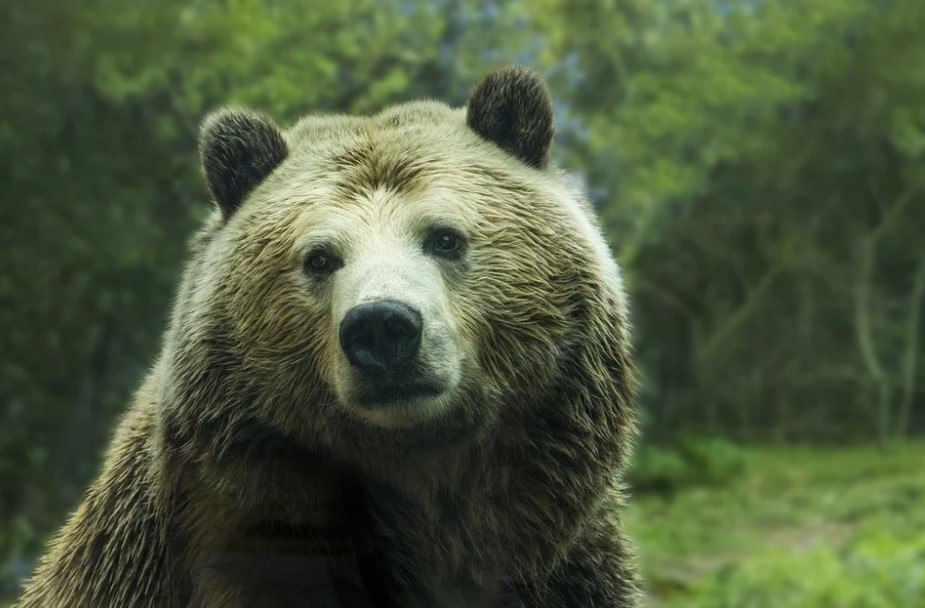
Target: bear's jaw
{"type": "Point", "coordinates": [400, 405]}
{"type": "Point", "coordinates": [389, 440]}
{"type": "Point", "coordinates": [399, 400]}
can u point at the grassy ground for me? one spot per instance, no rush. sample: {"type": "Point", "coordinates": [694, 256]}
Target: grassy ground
{"type": "Point", "coordinates": [790, 528]}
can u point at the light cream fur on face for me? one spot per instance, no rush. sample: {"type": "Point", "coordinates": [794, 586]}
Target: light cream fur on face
{"type": "Point", "coordinates": [380, 240]}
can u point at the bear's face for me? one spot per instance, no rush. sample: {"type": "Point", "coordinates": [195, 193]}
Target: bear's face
{"type": "Point", "coordinates": [403, 276]}
{"type": "Point", "coordinates": [382, 272]}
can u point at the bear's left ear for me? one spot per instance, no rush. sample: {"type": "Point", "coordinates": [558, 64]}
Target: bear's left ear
{"type": "Point", "coordinates": [238, 150]}
{"type": "Point", "coordinates": [512, 108]}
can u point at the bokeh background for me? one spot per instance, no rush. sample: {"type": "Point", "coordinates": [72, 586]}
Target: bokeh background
{"type": "Point", "coordinates": [759, 170]}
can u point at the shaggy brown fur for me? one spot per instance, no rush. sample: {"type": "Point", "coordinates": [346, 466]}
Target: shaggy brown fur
{"type": "Point", "coordinates": [238, 476]}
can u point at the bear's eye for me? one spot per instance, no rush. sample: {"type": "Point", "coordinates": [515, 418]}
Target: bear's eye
{"type": "Point", "coordinates": [445, 242]}
{"type": "Point", "coordinates": [322, 262]}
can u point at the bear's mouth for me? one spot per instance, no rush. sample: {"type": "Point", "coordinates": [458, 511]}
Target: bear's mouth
{"type": "Point", "coordinates": [396, 394]}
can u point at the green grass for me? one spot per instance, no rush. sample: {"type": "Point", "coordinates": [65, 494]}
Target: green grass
{"type": "Point", "coordinates": [793, 527]}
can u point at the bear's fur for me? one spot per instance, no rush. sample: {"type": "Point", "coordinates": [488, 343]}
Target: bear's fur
{"type": "Point", "coordinates": [246, 474]}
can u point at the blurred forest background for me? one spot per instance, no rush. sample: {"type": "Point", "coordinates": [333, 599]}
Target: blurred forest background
{"type": "Point", "coordinates": [759, 168]}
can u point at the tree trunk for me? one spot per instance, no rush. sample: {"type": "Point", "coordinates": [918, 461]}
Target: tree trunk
{"type": "Point", "coordinates": [912, 349]}
{"type": "Point", "coordinates": [865, 337]}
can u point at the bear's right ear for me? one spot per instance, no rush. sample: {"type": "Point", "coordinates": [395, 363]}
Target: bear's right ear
{"type": "Point", "coordinates": [238, 150]}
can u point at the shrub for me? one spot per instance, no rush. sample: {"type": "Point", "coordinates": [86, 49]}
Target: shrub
{"type": "Point", "coordinates": [692, 461]}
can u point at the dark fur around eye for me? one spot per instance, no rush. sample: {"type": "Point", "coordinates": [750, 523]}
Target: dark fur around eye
{"type": "Point", "coordinates": [321, 262]}
{"type": "Point", "coordinates": [445, 243]}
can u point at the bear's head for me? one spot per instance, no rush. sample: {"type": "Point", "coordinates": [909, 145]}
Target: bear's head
{"type": "Point", "coordinates": [404, 281]}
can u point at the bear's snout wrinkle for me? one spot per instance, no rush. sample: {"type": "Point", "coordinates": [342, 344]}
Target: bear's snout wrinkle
{"type": "Point", "coordinates": [381, 337]}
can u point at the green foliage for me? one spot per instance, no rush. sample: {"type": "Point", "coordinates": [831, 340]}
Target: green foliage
{"type": "Point", "coordinates": [879, 570]}
{"type": "Point", "coordinates": [690, 461]}
{"type": "Point", "coordinates": [656, 468]}
{"type": "Point", "coordinates": [760, 176]}
{"type": "Point", "coordinates": [805, 527]}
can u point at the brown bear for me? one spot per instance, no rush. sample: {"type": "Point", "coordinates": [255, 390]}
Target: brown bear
{"type": "Point", "coordinates": [396, 374]}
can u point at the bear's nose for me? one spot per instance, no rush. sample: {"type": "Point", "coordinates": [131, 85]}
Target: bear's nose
{"type": "Point", "coordinates": [380, 336]}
